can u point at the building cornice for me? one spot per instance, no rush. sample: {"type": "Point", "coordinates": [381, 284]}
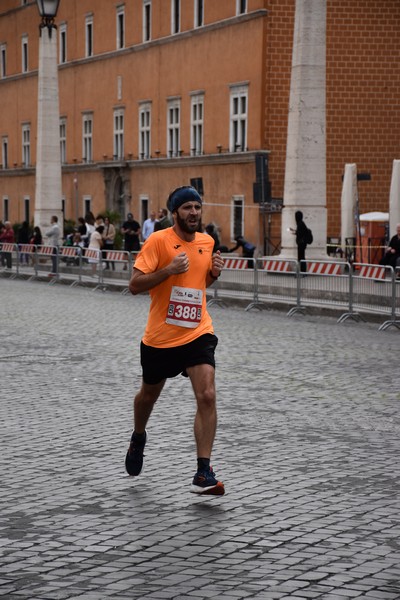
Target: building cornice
{"type": "Point", "coordinates": [170, 39]}
{"type": "Point", "coordinates": [220, 158]}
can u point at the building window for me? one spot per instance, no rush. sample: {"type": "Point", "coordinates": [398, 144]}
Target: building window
{"type": "Point", "coordinates": [24, 50]}
{"type": "Point", "coordinates": [146, 20]}
{"type": "Point", "coordinates": [144, 208]}
{"type": "Point", "coordinates": [119, 134]}
{"type": "Point", "coordinates": [144, 130]}
{"type": "Point", "coordinates": [87, 204]}
{"type": "Point", "coordinates": [63, 140]}
{"type": "Point", "coordinates": [3, 60]}
{"type": "Point", "coordinates": [175, 16]}
{"type": "Point", "coordinates": [26, 145]}
{"type": "Point", "coordinates": [173, 125]}
{"type": "Point", "coordinates": [198, 13]}
{"type": "Point", "coordinates": [5, 209]}
{"type": "Point", "coordinates": [89, 36]}
{"type": "Point", "coordinates": [87, 138]}
{"type": "Point", "coordinates": [120, 27]}
{"type": "Point", "coordinates": [27, 212]}
{"type": "Point", "coordinates": [237, 223]}
{"type": "Point", "coordinates": [63, 43]}
{"type": "Point", "coordinates": [197, 122]}
{"type": "Point", "coordinates": [241, 7]}
{"type": "Point", "coordinates": [4, 152]}
{"type": "Point", "coordinates": [238, 116]}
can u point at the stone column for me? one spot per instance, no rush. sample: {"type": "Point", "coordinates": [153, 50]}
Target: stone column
{"type": "Point", "coordinates": [305, 174]}
{"type": "Point", "coordinates": [394, 199]}
{"type": "Point", "coordinates": [48, 156]}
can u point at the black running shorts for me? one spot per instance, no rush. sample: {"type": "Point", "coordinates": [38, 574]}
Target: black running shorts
{"type": "Point", "coordinates": [163, 363]}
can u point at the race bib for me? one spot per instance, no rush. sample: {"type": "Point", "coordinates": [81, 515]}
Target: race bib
{"type": "Point", "coordinates": [184, 308]}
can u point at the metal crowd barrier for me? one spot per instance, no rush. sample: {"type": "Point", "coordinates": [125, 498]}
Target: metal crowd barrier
{"type": "Point", "coordinates": [277, 282]}
{"type": "Point", "coordinates": [355, 288]}
{"type": "Point", "coordinates": [237, 280]}
{"type": "Point", "coordinates": [119, 257]}
{"type": "Point", "coordinates": [323, 283]}
{"type": "Point", "coordinates": [374, 289]}
{"type": "Point", "coordinates": [65, 264]}
{"type": "Point", "coordinates": [9, 253]}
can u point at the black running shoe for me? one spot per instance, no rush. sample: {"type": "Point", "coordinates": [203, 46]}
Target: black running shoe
{"type": "Point", "coordinates": [205, 482]}
{"type": "Point", "coordinates": [134, 456]}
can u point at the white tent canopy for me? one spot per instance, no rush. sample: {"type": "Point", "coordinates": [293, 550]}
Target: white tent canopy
{"type": "Point", "coordinates": [374, 216]}
{"type": "Point", "coordinates": [348, 203]}
{"type": "Point", "coordinates": [394, 199]}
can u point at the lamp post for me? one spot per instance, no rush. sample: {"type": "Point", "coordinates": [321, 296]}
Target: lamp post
{"type": "Point", "coordinates": [48, 158]}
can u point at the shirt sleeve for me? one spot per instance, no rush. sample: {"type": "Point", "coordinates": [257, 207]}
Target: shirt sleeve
{"type": "Point", "coordinates": [148, 260]}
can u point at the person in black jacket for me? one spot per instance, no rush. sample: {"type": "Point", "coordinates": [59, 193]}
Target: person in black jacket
{"type": "Point", "coordinates": [248, 249]}
{"type": "Point", "coordinates": [392, 254]}
{"type": "Point", "coordinates": [301, 239]}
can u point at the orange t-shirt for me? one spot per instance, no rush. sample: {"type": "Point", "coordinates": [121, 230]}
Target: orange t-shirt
{"type": "Point", "coordinates": [180, 298]}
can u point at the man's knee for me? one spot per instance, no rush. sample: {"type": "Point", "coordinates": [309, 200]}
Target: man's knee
{"type": "Point", "coordinates": [206, 398]}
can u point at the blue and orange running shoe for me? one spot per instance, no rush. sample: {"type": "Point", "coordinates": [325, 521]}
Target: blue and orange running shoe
{"type": "Point", "coordinates": [205, 483]}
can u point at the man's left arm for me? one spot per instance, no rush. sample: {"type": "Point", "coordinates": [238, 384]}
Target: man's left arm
{"type": "Point", "coordinates": [217, 264]}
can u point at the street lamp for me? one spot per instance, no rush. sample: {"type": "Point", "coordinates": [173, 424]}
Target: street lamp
{"type": "Point", "coordinates": [48, 157]}
{"type": "Point", "coordinates": [48, 11]}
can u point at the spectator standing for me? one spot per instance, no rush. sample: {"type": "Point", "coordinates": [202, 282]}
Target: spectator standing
{"type": "Point", "coordinates": [36, 239]}
{"type": "Point", "coordinates": [175, 266]}
{"type": "Point", "coordinates": [301, 239]}
{"type": "Point", "coordinates": [210, 230]}
{"type": "Point", "coordinates": [392, 254]}
{"type": "Point", "coordinates": [23, 238]}
{"type": "Point", "coordinates": [163, 220]}
{"type": "Point", "coordinates": [90, 226]}
{"type": "Point", "coordinates": [148, 226]}
{"type": "Point", "coordinates": [131, 231]}
{"type": "Point", "coordinates": [108, 240]}
{"type": "Point", "coordinates": [7, 237]}
{"type": "Point", "coordinates": [83, 230]}
{"type": "Point", "coordinates": [54, 236]}
{"type": "Point", "coordinates": [99, 221]}
{"type": "Point", "coordinates": [96, 243]}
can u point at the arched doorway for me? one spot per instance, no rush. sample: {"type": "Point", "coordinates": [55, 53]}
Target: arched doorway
{"type": "Point", "coordinates": [118, 190]}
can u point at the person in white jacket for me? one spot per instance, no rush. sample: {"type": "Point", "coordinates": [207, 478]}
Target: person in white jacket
{"type": "Point", "coordinates": [54, 235]}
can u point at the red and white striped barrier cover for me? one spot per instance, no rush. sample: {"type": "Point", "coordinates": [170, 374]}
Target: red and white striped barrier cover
{"type": "Point", "coordinates": [68, 251]}
{"type": "Point", "coordinates": [45, 250]}
{"type": "Point", "coordinates": [26, 248]}
{"type": "Point", "coordinates": [372, 272]}
{"type": "Point", "coordinates": [324, 268]}
{"type": "Point", "coordinates": [7, 248]}
{"type": "Point", "coordinates": [235, 263]}
{"type": "Point", "coordinates": [276, 266]}
{"type": "Point", "coordinates": [115, 255]}
{"type": "Point", "coordinates": [92, 253]}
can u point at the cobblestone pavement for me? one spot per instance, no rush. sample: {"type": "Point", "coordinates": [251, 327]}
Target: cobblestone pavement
{"type": "Point", "coordinates": [307, 446]}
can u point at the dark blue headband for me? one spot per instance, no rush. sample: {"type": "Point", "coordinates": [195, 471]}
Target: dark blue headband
{"type": "Point", "coordinates": [182, 195]}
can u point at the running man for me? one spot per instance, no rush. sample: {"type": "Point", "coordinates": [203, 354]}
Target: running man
{"type": "Point", "coordinates": [176, 265]}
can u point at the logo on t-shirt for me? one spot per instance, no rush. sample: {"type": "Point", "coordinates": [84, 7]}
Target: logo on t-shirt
{"type": "Point", "coordinates": [177, 246]}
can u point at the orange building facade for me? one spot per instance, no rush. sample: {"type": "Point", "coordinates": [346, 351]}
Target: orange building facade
{"type": "Point", "coordinates": [156, 93]}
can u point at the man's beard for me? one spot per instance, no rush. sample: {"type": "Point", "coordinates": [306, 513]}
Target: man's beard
{"type": "Point", "coordinates": [188, 228]}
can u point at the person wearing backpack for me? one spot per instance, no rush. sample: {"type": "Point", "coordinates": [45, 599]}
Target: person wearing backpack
{"type": "Point", "coordinates": [303, 238]}
{"type": "Point", "coordinates": [247, 249]}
